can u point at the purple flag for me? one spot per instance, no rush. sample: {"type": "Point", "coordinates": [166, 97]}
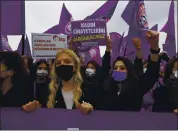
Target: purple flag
{"type": "Point", "coordinates": [122, 50]}
{"type": "Point", "coordinates": [4, 43]}
{"type": "Point", "coordinates": [64, 25]}
{"type": "Point", "coordinates": [131, 53]}
{"type": "Point", "coordinates": [53, 30]}
{"type": "Point", "coordinates": [12, 17]}
{"type": "Point", "coordinates": [155, 27]}
{"type": "Point", "coordinates": [169, 28]}
{"type": "Point", "coordinates": [146, 45]}
{"type": "Point", "coordinates": [116, 39]}
{"type": "Point", "coordinates": [90, 53]}
{"type": "Point", "coordinates": [105, 12]}
{"type": "Point", "coordinates": [135, 16]}
{"type": "Point", "coordinates": [27, 50]}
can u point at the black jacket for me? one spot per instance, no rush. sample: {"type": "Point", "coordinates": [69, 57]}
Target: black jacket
{"type": "Point", "coordinates": [59, 100]}
{"type": "Point", "coordinates": [171, 86]}
{"type": "Point", "coordinates": [92, 87]}
{"type": "Point", "coordinates": [127, 96]}
{"type": "Point", "coordinates": [17, 96]}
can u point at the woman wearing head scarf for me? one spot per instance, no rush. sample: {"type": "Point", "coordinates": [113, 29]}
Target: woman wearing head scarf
{"type": "Point", "coordinates": [125, 88]}
{"type": "Point", "coordinates": [13, 80]}
{"type": "Point", "coordinates": [41, 81]}
{"type": "Point", "coordinates": [65, 87]}
{"type": "Point", "coordinates": [94, 77]}
{"type": "Point", "coordinates": [171, 83]}
{"type": "Point", "coordinates": [156, 99]}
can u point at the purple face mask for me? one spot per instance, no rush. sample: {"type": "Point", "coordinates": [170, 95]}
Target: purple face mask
{"type": "Point", "coordinates": [119, 76]}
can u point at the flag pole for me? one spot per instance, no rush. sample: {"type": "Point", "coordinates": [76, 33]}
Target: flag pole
{"type": "Point", "coordinates": [1, 46]}
{"type": "Point", "coordinates": [23, 28]}
{"type": "Point", "coordinates": [23, 44]}
{"type": "Point", "coordinates": [122, 37]}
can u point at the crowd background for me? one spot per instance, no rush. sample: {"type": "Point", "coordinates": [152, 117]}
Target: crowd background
{"type": "Point", "coordinates": [146, 81]}
{"type": "Point", "coordinates": [66, 82]}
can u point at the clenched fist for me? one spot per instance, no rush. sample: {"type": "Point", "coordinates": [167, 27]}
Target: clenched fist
{"type": "Point", "coordinates": [153, 39]}
{"type": "Point", "coordinates": [137, 43]}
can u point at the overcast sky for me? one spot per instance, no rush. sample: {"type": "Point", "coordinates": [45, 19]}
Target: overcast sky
{"type": "Point", "coordinates": [41, 15]}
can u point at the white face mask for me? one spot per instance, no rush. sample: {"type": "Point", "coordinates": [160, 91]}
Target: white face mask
{"type": "Point", "coordinates": [90, 72]}
{"type": "Point", "coordinates": [175, 73]}
{"type": "Point", "coordinates": [42, 76]}
{"type": "Point", "coordinates": [42, 72]}
{"type": "Point", "coordinates": [144, 70]}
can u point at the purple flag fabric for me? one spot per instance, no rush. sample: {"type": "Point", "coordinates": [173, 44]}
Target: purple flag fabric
{"type": "Point", "coordinates": [135, 16]}
{"type": "Point", "coordinates": [53, 30]}
{"type": "Point", "coordinates": [4, 43]}
{"type": "Point", "coordinates": [130, 53]}
{"type": "Point", "coordinates": [90, 53]}
{"type": "Point", "coordinates": [169, 28]}
{"type": "Point", "coordinates": [146, 45]}
{"type": "Point", "coordinates": [64, 26]}
{"type": "Point", "coordinates": [116, 41]}
{"type": "Point", "coordinates": [27, 50]}
{"type": "Point", "coordinates": [105, 12]}
{"type": "Point", "coordinates": [123, 46]}
{"type": "Point", "coordinates": [155, 27]}
{"type": "Point", "coordinates": [12, 17]}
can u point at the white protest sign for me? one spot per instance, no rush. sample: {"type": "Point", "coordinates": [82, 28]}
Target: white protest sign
{"type": "Point", "coordinates": [45, 46]}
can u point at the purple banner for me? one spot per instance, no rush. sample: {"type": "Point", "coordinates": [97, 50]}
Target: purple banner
{"type": "Point", "coordinates": [91, 53]}
{"type": "Point", "coordinates": [61, 119]}
{"type": "Point", "coordinates": [89, 33]}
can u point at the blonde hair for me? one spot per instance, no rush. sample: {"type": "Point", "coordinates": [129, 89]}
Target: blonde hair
{"type": "Point", "coordinates": [76, 79]}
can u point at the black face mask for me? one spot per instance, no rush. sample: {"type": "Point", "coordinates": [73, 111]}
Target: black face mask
{"type": "Point", "coordinates": [65, 72]}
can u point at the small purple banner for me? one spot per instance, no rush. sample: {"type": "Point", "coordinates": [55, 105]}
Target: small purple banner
{"type": "Point", "coordinates": [92, 53]}
{"type": "Point", "coordinates": [89, 33]}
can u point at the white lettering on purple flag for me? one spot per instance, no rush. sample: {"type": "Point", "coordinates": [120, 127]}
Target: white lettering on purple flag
{"type": "Point", "coordinates": [92, 52]}
{"type": "Point", "coordinates": [141, 17]}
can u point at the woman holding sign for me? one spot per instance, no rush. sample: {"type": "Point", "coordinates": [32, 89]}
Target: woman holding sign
{"type": "Point", "coordinates": [65, 90]}
{"type": "Point", "coordinates": [94, 76]}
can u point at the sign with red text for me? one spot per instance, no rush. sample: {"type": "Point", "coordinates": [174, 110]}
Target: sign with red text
{"type": "Point", "coordinates": [47, 45]}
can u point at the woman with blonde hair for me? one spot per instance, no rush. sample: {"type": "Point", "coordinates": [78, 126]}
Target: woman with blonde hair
{"type": "Point", "coordinates": [65, 91]}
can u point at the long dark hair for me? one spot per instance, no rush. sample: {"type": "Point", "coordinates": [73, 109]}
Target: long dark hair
{"type": "Point", "coordinates": [14, 61]}
{"type": "Point", "coordinates": [169, 67]}
{"type": "Point", "coordinates": [96, 65]}
{"type": "Point", "coordinates": [131, 74]}
{"type": "Point", "coordinates": [36, 67]}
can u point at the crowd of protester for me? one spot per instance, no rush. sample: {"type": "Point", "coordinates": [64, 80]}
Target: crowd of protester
{"type": "Point", "coordinates": [66, 82]}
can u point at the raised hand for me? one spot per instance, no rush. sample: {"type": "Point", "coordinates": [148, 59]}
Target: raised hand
{"type": "Point", "coordinates": [153, 39]}
{"type": "Point", "coordinates": [137, 43]}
